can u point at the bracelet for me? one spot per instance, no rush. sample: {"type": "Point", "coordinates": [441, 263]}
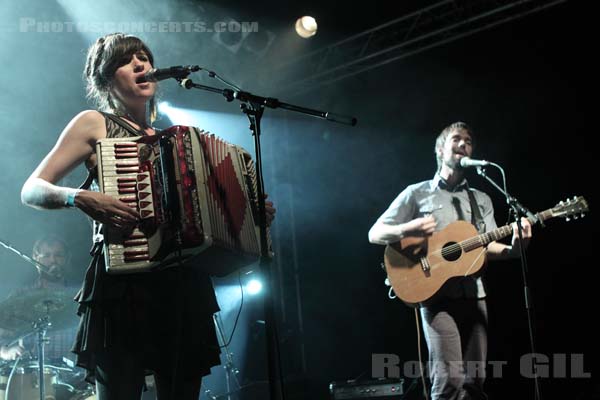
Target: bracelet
{"type": "Point", "coordinates": [70, 200]}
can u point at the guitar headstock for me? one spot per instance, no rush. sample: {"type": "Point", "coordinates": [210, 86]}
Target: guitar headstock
{"type": "Point", "coordinates": [571, 208]}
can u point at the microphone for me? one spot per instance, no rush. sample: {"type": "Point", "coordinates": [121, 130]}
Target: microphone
{"type": "Point", "coordinates": [159, 74]}
{"type": "Point", "coordinates": [466, 162]}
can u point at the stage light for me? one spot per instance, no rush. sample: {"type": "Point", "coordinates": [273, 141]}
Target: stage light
{"type": "Point", "coordinates": [254, 286]}
{"type": "Point", "coordinates": [306, 27]}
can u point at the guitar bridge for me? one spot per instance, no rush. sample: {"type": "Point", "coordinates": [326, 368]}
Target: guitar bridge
{"type": "Point", "coordinates": [425, 265]}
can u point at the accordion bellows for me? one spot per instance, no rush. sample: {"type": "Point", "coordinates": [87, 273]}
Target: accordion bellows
{"type": "Point", "coordinates": [196, 195]}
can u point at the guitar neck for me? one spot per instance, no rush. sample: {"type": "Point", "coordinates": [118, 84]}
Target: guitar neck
{"type": "Point", "coordinates": [485, 238]}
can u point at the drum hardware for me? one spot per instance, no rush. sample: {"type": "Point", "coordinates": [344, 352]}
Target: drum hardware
{"type": "Point", "coordinates": [33, 313]}
{"type": "Point", "coordinates": [41, 327]}
{"type": "Point", "coordinates": [61, 382]}
{"type": "Point", "coordinates": [231, 371]}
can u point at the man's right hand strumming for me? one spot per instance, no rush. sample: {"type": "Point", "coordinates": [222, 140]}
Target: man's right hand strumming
{"type": "Point", "coordinates": [384, 233]}
{"type": "Point", "coordinates": [423, 226]}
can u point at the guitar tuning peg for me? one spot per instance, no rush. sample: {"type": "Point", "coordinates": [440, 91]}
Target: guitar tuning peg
{"type": "Point", "coordinates": [575, 216]}
{"type": "Point", "coordinates": [567, 219]}
{"type": "Point", "coordinates": [582, 215]}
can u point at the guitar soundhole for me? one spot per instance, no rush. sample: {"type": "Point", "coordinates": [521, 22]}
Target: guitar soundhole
{"type": "Point", "coordinates": [451, 251]}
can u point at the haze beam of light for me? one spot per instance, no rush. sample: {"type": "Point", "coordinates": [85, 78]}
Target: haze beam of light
{"type": "Point", "coordinates": [230, 127]}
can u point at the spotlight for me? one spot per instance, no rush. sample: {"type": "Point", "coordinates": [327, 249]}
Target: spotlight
{"type": "Point", "coordinates": [254, 286]}
{"type": "Point", "coordinates": [306, 27]}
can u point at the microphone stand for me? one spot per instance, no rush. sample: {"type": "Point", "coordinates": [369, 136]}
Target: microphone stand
{"type": "Point", "coordinates": [521, 211]}
{"type": "Point", "coordinates": [253, 106]}
{"type": "Point", "coordinates": [41, 326]}
{"type": "Point", "coordinates": [230, 368]}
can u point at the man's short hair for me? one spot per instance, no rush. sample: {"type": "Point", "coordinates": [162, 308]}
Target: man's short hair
{"type": "Point", "coordinates": [441, 139]}
{"type": "Point", "coordinates": [49, 240]}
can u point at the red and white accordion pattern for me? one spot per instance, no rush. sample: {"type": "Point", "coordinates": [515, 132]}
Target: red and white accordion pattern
{"type": "Point", "coordinates": [196, 195]}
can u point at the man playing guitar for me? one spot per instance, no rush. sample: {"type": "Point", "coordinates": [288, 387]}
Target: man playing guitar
{"type": "Point", "coordinates": [455, 325]}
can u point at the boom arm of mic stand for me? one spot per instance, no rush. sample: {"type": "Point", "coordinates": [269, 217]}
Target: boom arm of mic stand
{"type": "Point", "coordinates": [270, 102]}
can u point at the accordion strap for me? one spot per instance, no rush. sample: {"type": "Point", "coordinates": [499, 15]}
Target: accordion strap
{"type": "Point", "coordinates": [92, 174]}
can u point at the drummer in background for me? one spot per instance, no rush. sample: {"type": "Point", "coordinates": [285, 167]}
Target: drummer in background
{"type": "Point", "coordinates": [53, 253]}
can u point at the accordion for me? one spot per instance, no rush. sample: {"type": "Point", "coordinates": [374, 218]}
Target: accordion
{"type": "Point", "coordinates": [196, 196]}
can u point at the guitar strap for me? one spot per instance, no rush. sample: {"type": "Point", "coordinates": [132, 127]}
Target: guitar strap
{"type": "Point", "coordinates": [476, 218]}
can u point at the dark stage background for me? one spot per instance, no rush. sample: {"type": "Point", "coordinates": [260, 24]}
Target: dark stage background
{"type": "Point", "coordinates": [526, 87]}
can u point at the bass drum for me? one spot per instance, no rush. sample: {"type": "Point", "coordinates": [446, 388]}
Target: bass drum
{"type": "Point", "coordinates": [84, 395]}
{"type": "Point", "coordinates": [24, 384]}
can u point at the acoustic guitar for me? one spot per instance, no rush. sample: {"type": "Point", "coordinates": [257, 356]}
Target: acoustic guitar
{"type": "Point", "coordinates": [418, 267]}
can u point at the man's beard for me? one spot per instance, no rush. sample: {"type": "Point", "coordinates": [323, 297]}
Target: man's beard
{"type": "Point", "coordinates": [453, 163]}
{"type": "Point", "coordinates": [55, 273]}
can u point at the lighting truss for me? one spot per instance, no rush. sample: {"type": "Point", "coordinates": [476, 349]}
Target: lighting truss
{"type": "Point", "coordinates": [429, 27]}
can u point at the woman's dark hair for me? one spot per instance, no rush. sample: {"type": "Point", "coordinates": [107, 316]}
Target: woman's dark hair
{"type": "Point", "coordinates": [104, 57]}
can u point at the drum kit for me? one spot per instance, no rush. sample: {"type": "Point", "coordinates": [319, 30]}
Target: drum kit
{"type": "Point", "coordinates": [33, 313]}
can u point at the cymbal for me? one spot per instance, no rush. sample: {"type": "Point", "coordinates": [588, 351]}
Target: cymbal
{"type": "Point", "coordinates": [20, 311]}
